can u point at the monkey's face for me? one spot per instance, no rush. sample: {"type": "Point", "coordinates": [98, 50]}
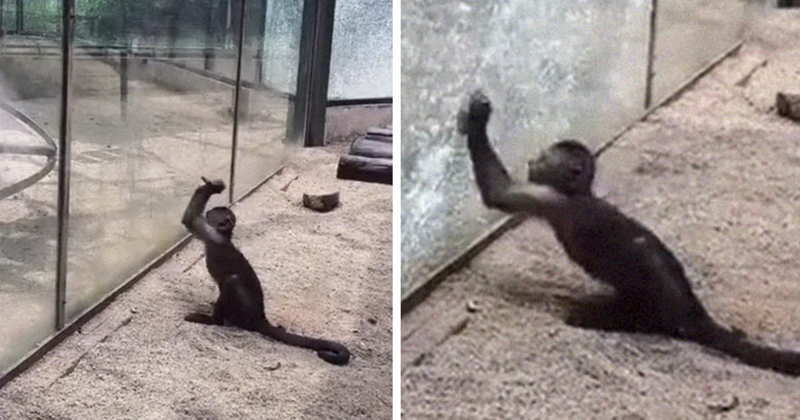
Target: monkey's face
{"type": "Point", "coordinates": [567, 166]}
{"type": "Point", "coordinates": [222, 219]}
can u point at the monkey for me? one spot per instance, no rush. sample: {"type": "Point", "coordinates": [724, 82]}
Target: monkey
{"type": "Point", "coordinates": [241, 299]}
{"type": "Point", "coordinates": [651, 289]}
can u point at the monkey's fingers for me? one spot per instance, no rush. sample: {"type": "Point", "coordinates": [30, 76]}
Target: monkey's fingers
{"type": "Point", "coordinates": [479, 105]}
{"type": "Point", "coordinates": [205, 180]}
{"type": "Point", "coordinates": [475, 112]}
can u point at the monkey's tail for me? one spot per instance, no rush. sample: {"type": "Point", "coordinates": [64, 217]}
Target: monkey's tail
{"type": "Point", "coordinates": [735, 344]}
{"type": "Point", "coordinates": [329, 351]}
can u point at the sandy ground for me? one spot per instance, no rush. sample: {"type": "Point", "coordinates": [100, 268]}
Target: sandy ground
{"type": "Point", "coordinates": [715, 174]}
{"type": "Point", "coordinates": [326, 275]}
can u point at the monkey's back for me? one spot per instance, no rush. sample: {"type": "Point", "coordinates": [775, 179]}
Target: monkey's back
{"type": "Point", "coordinates": [224, 260]}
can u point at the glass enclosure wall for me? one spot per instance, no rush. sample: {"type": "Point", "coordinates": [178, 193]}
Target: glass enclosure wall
{"type": "Point", "coordinates": [151, 111]}
{"type": "Point", "coordinates": [361, 62]}
{"type": "Point", "coordinates": [566, 70]}
{"type": "Point", "coordinates": [144, 129]}
{"type": "Point", "coordinates": [30, 94]}
{"type": "Point", "coordinates": [689, 35]}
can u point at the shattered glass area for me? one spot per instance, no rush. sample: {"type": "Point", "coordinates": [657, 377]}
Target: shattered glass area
{"type": "Point", "coordinates": [361, 55]}
{"type": "Point", "coordinates": [553, 70]}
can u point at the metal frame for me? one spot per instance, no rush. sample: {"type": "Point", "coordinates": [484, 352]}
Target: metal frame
{"type": "Point", "coordinates": [237, 90]}
{"type": "Point", "coordinates": [651, 55]}
{"type": "Point", "coordinates": [307, 114]}
{"type": "Point", "coordinates": [64, 159]}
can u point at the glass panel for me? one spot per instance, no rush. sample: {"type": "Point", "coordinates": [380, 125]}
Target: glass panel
{"type": "Point", "coordinates": [361, 56]}
{"type": "Point", "coordinates": [144, 129]}
{"type": "Point", "coordinates": [689, 34]}
{"type": "Point", "coordinates": [30, 89]}
{"type": "Point", "coordinates": [264, 99]}
{"type": "Point", "coordinates": [553, 70]}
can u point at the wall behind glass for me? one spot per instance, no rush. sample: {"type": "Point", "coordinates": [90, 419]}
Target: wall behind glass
{"type": "Point", "coordinates": [284, 20]}
{"type": "Point", "coordinates": [30, 84]}
{"type": "Point", "coordinates": [361, 55]}
{"type": "Point", "coordinates": [689, 35]}
{"type": "Point", "coordinates": [138, 151]}
{"type": "Point", "coordinates": [552, 69]}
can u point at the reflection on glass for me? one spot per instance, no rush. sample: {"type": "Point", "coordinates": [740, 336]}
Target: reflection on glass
{"type": "Point", "coordinates": [553, 70]}
{"type": "Point", "coordinates": [361, 55]}
{"type": "Point", "coordinates": [145, 126]}
{"type": "Point", "coordinates": [30, 87]}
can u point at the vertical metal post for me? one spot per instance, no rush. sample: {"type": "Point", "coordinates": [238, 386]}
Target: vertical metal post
{"type": "Point", "coordinates": [307, 116]}
{"type": "Point", "coordinates": [236, 93]}
{"type": "Point", "coordinates": [124, 56]}
{"type": "Point", "coordinates": [261, 26]}
{"type": "Point", "coordinates": [651, 56]}
{"type": "Point", "coordinates": [20, 16]}
{"type": "Point", "coordinates": [208, 50]}
{"type": "Point", "coordinates": [64, 140]}
{"type": "Point", "coordinates": [2, 16]}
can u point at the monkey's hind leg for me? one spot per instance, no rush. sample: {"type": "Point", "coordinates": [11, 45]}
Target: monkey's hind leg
{"type": "Point", "coordinates": [214, 319]}
{"type": "Point", "coordinates": [199, 318]}
{"type": "Point", "coordinates": [610, 313]}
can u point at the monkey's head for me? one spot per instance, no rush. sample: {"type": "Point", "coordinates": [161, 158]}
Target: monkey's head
{"type": "Point", "coordinates": [222, 219]}
{"type": "Point", "coordinates": [567, 166]}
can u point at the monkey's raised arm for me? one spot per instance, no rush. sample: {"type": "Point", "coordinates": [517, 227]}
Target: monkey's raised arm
{"type": "Point", "coordinates": [193, 217]}
{"type": "Point", "coordinates": [497, 188]}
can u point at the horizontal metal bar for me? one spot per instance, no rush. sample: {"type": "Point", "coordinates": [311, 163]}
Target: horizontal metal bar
{"type": "Point", "coordinates": [364, 101]}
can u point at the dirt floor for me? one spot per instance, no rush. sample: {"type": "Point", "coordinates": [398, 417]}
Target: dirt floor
{"type": "Point", "coordinates": [326, 275]}
{"type": "Point", "coordinates": [715, 174]}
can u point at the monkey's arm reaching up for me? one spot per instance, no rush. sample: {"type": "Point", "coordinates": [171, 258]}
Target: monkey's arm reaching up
{"type": "Point", "coordinates": [193, 217]}
{"type": "Point", "coordinates": [497, 188]}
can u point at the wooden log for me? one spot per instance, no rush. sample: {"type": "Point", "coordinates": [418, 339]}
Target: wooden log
{"type": "Point", "coordinates": [788, 105]}
{"type": "Point", "coordinates": [380, 134]}
{"type": "Point", "coordinates": [371, 148]}
{"type": "Point", "coordinates": [360, 168]}
{"type": "Point", "coordinates": [321, 201]}
{"type": "Point", "coordinates": [385, 132]}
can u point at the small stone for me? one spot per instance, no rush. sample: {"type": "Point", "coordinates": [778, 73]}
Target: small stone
{"type": "Point", "coordinates": [372, 321]}
{"type": "Point", "coordinates": [473, 306]}
{"type": "Point", "coordinates": [724, 404]}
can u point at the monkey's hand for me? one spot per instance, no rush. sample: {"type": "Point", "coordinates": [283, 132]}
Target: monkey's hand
{"type": "Point", "coordinates": [475, 113]}
{"type": "Point", "coordinates": [216, 186]}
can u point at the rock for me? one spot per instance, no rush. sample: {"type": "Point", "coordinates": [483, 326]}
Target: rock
{"type": "Point", "coordinates": [788, 105]}
{"type": "Point", "coordinates": [473, 306]}
{"type": "Point", "coordinates": [723, 404]}
{"type": "Point", "coordinates": [323, 201]}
